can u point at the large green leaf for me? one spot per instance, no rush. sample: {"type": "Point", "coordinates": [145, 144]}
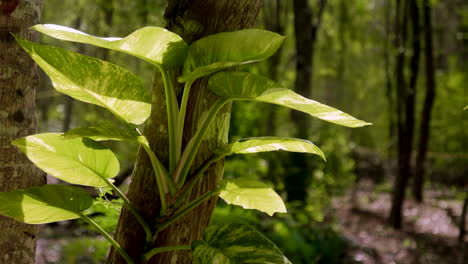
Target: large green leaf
{"type": "Point", "coordinates": [227, 49]}
{"type": "Point", "coordinates": [45, 204]}
{"type": "Point", "coordinates": [251, 194]}
{"type": "Point", "coordinates": [153, 44]}
{"type": "Point", "coordinates": [246, 86]}
{"type": "Point", "coordinates": [77, 161]}
{"type": "Point", "coordinates": [106, 132]}
{"type": "Point", "coordinates": [264, 144]}
{"type": "Point", "coordinates": [93, 81]}
{"type": "Point", "coordinates": [235, 244]}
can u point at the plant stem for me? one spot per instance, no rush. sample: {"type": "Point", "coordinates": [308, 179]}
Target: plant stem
{"type": "Point", "coordinates": [190, 151]}
{"type": "Point", "coordinates": [108, 237]}
{"type": "Point", "coordinates": [132, 209]}
{"type": "Point", "coordinates": [183, 211]}
{"type": "Point", "coordinates": [148, 255]}
{"type": "Point", "coordinates": [172, 118]}
{"type": "Point", "coordinates": [160, 181]}
{"type": "Point", "coordinates": [196, 177]}
{"type": "Point", "coordinates": [183, 109]}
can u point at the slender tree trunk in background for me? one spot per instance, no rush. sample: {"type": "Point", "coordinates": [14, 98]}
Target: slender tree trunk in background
{"type": "Point", "coordinates": [18, 82]}
{"type": "Point", "coordinates": [404, 139]}
{"type": "Point", "coordinates": [306, 25]}
{"type": "Point", "coordinates": [462, 221]}
{"type": "Point", "coordinates": [209, 16]}
{"type": "Point", "coordinates": [389, 91]}
{"type": "Point", "coordinates": [424, 127]}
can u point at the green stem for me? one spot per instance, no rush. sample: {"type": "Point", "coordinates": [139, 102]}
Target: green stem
{"type": "Point", "coordinates": [196, 177]}
{"type": "Point", "coordinates": [132, 209]}
{"type": "Point", "coordinates": [160, 180]}
{"type": "Point", "coordinates": [108, 237]}
{"type": "Point", "coordinates": [183, 211]}
{"type": "Point", "coordinates": [190, 151]}
{"type": "Point", "coordinates": [172, 117]}
{"type": "Point", "coordinates": [148, 255]}
{"type": "Point", "coordinates": [183, 109]}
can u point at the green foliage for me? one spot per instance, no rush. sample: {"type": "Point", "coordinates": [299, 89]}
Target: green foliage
{"type": "Point", "coordinates": [75, 156]}
{"type": "Point", "coordinates": [251, 194]}
{"type": "Point", "coordinates": [78, 161]}
{"type": "Point", "coordinates": [246, 86]}
{"type": "Point", "coordinates": [86, 250]}
{"type": "Point", "coordinates": [45, 204]}
{"type": "Point", "coordinates": [232, 49]}
{"type": "Point", "coordinates": [93, 81]}
{"type": "Point", "coordinates": [235, 243]}
{"type": "Point", "coordinates": [153, 44]}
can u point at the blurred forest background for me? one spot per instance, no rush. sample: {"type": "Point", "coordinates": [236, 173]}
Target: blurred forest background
{"type": "Point", "coordinates": [394, 192]}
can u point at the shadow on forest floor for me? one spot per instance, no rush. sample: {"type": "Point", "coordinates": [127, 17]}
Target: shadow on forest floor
{"type": "Point", "coordinates": [429, 234]}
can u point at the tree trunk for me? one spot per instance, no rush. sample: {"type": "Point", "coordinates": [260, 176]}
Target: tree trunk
{"type": "Point", "coordinates": [306, 25]}
{"type": "Point", "coordinates": [403, 130]}
{"type": "Point", "coordinates": [192, 20]}
{"type": "Point", "coordinates": [18, 81]}
{"type": "Point", "coordinates": [462, 221]}
{"type": "Point", "coordinates": [424, 127]}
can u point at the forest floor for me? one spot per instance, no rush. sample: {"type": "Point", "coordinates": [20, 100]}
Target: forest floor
{"type": "Point", "coordinates": [429, 233]}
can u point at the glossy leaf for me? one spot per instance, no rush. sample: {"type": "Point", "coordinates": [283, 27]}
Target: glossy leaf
{"type": "Point", "coordinates": [264, 144]}
{"type": "Point", "coordinates": [235, 244]}
{"type": "Point", "coordinates": [44, 204]}
{"type": "Point", "coordinates": [77, 161]}
{"type": "Point", "coordinates": [106, 132]}
{"type": "Point", "coordinates": [153, 44]}
{"type": "Point", "coordinates": [246, 86]}
{"type": "Point", "coordinates": [227, 49]}
{"type": "Point", "coordinates": [251, 194]}
{"type": "Point", "coordinates": [93, 81]}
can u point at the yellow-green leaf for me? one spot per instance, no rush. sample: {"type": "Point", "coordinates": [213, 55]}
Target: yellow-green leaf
{"type": "Point", "coordinates": [78, 161]}
{"type": "Point", "coordinates": [153, 44]}
{"type": "Point", "coordinates": [246, 86]}
{"type": "Point", "coordinates": [44, 204]}
{"type": "Point", "coordinates": [251, 194]}
{"type": "Point", "coordinates": [93, 81]}
{"type": "Point", "coordinates": [223, 50]}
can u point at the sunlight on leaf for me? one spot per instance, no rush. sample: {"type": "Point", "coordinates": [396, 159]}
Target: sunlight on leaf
{"type": "Point", "coordinates": [264, 144]}
{"type": "Point", "coordinates": [220, 51]}
{"type": "Point", "coordinates": [246, 86]}
{"type": "Point", "coordinates": [44, 204]}
{"type": "Point", "coordinates": [93, 81]}
{"type": "Point", "coordinates": [251, 194]}
{"type": "Point", "coordinates": [153, 44]}
{"type": "Point", "coordinates": [77, 161]}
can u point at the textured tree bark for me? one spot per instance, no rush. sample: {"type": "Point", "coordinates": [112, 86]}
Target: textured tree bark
{"type": "Point", "coordinates": [306, 25]}
{"type": "Point", "coordinates": [191, 20]}
{"type": "Point", "coordinates": [18, 81]}
{"type": "Point", "coordinates": [424, 127]}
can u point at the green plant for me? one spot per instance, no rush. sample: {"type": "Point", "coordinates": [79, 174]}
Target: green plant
{"type": "Point", "coordinates": [78, 158]}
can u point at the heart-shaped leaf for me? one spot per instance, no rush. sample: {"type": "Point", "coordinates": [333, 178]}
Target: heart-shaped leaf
{"type": "Point", "coordinates": [78, 161]}
{"type": "Point", "coordinates": [235, 244]}
{"type": "Point", "coordinates": [106, 132]}
{"type": "Point", "coordinates": [251, 194]}
{"type": "Point", "coordinates": [153, 44]}
{"type": "Point", "coordinates": [93, 81]}
{"type": "Point", "coordinates": [264, 144]}
{"type": "Point", "coordinates": [45, 204]}
{"type": "Point", "coordinates": [246, 86]}
{"type": "Point", "coordinates": [220, 51]}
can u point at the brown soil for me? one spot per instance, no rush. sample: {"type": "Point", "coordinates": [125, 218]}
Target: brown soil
{"type": "Point", "coordinates": [429, 234]}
